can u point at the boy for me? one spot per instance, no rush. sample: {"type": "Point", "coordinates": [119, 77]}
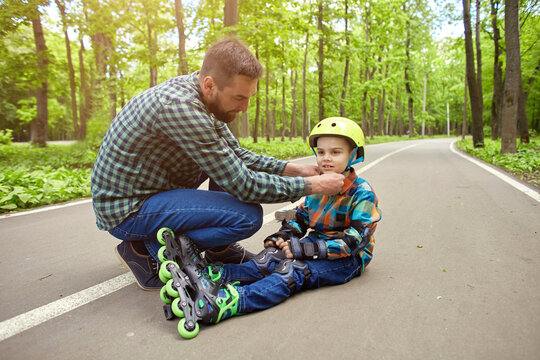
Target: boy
{"type": "Point", "coordinates": [337, 249]}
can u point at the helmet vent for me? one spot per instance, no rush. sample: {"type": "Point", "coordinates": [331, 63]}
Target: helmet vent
{"type": "Point", "coordinates": [334, 124]}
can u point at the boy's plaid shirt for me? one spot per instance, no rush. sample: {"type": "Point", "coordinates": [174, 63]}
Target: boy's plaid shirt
{"type": "Point", "coordinates": [353, 214]}
{"type": "Point", "coordinates": [162, 139]}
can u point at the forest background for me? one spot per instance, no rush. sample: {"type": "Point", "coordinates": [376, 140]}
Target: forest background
{"type": "Point", "coordinates": [398, 67]}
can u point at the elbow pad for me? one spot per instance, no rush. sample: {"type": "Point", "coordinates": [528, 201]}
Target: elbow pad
{"type": "Point", "coordinates": [308, 250]}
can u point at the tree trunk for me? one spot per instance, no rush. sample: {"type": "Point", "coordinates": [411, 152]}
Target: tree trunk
{"type": "Point", "coordinates": [179, 14]}
{"type": "Point", "coordinates": [464, 126]}
{"type": "Point", "coordinates": [497, 74]}
{"type": "Point", "coordinates": [407, 80]}
{"type": "Point", "coordinates": [294, 78]}
{"type": "Point", "coordinates": [320, 62]}
{"type": "Point", "coordinates": [346, 71]}
{"type": "Point", "coordinates": [84, 93]}
{"type": "Point", "coordinates": [257, 104]}
{"type": "Point", "coordinates": [478, 54]}
{"type": "Point", "coordinates": [512, 78]}
{"type": "Point", "coordinates": [306, 127]}
{"type": "Point", "coordinates": [283, 115]}
{"type": "Point", "coordinates": [267, 109]}
{"type": "Point", "coordinates": [38, 127]}
{"type": "Point", "coordinates": [474, 91]}
{"type": "Point", "coordinates": [71, 71]}
{"type": "Point", "coordinates": [230, 14]}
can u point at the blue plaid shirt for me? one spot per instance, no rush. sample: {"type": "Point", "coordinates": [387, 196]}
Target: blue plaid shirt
{"type": "Point", "coordinates": [162, 139]}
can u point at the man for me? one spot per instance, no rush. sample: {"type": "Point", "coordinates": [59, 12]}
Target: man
{"type": "Point", "coordinates": [148, 167]}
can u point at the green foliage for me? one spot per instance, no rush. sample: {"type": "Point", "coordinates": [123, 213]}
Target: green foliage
{"type": "Point", "coordinates": [44, 176]}
{"type": "Point", "coordinates": [525, 163]}
{"type": "Point", "coordinates": [6, 136]}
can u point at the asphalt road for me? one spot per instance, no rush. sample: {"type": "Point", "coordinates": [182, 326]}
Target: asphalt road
{"type": "Point", "coordinates": [455, 275]}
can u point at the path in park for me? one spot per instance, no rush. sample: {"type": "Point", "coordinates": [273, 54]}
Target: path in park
{"type": "Point", "coordinates": [454, 276]}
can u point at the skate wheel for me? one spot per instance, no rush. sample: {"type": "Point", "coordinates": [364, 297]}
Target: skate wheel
{"type": "Point", "coordinates": [161, 255]}
{"type": "Point", "coordinates": [175, 307]}
{"type": "Point", "coordinates": [160, 237]}
{"type": "Point", "coordinates": [185, 333]}
{"type": "Point", "coordinates": [164, 296]}
{"type": "Point", "coordinates": [171, 291]}
{"type": "Point", "coordinates": [164, 273]}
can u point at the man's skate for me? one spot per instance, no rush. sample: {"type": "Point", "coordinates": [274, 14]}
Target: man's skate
{"type": "Point", "coordinates": [192, 291]}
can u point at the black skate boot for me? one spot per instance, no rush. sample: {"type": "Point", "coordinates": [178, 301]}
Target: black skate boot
{"type": "Point", "coordinates": [191, 295]}
{"type": "Point", "coordinates": [178, 250]}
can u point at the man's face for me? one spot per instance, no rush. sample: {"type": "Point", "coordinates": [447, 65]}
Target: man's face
{"type": "Point", "coordinates": [226, 103]}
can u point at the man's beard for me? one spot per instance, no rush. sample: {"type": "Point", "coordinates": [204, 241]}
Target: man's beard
{"type": "Point", "coordinates": [224, 116]}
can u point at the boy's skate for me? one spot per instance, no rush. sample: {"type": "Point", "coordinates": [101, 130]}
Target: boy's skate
{"type": "Point", "coordinates": [192, 291]}
{"type": "Point", "coordinates": [178, 250]}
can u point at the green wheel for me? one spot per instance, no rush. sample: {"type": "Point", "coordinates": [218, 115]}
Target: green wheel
{"type": "Point", "coordinates": [164, 296]}
{"type": "Point", "coordinates": [160, 235]}
{"type": "Point", "coordinates": [176, 308]}
{"type": "Point", "coordinates": [172, 292]}
{"type": "Point", "coordinates": [161, 255]}
{"type": "Point", "coordinates": [164, 273]}
{"type": "Point", "coordinates": [187, 334]}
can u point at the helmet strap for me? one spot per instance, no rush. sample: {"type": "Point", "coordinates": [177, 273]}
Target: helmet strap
{"type": "Point", "coordinates": [352, 161]}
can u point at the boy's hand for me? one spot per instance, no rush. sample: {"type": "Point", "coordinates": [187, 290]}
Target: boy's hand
{"type": "Point", "coordinates": [284, 245]}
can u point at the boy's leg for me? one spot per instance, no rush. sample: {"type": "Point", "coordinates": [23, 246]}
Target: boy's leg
{"type": "Point", "coordinates": [291, 276]}
{"type": "Point", "coordinates": [263, 264]}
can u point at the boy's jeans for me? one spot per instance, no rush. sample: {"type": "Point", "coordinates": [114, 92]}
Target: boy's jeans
{"type": "Point", "coordinates": [257, 292]}
{"type": "Point", "coordinates": [209, 218]}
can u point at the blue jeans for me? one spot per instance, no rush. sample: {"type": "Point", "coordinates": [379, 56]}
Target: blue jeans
{"type": "Point", "coordinates": [258, 292]}
{"type": "Point", "coordinates": [209, 218]}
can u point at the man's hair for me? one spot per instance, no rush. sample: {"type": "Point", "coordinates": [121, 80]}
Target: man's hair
{"type": "Point", "coordinates": [228, 58]}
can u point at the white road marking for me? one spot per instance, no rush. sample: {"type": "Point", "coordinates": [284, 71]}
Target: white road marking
{"type": "Point", "coordinates": [20, 323]}
{"type": "Point", "coordinates": [32, 318]}
{"type": "Point", "coordinates": [46, 208]}
{"type": "Point", "coordinates": [498, 173]}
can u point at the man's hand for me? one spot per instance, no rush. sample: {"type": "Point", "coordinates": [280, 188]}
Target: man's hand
{"type": "Point", "coordinates": [326, 184]}
{"type": "Point", "coordinates": [300, 170]}
{"type": "Point", "coordinates": [284, 245]}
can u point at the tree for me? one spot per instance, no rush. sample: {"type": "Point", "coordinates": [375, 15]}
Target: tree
{"type": "Point", "coordinates": [179, 15]}
{"type": "Point", "coordinates": [71, 70]}
{"type": "Point", "coordinates": [474, 90]}
{"type": "Point", "coordinates": [512, 78]}
{"type": "Point", "coordinates": [38, 129]}
{"type": "Point", "coordinates": [497, 74]}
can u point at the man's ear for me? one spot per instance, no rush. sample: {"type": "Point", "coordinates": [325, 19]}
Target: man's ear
{"type": "Point", "coordinates": [208, 86]}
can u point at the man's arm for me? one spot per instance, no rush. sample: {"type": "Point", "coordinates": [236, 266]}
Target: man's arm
{"type": "Point", "coordinates": [325, 184]}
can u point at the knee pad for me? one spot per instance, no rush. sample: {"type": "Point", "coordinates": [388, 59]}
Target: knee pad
{"type": "Point", "coordinates": [286, 270]}
{"type": "Point", "coordinates": [266, 257]}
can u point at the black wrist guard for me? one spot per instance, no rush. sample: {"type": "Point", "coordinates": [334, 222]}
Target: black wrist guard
{"type": "Point", "coordinates": [308, 250]}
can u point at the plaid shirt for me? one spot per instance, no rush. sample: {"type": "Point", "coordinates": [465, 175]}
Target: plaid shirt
{"type": "Point", "coordinates": [162, 139]}
{"type": "Point", "coordinates": [351, 215]}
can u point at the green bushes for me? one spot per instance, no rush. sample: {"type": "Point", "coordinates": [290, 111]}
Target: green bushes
{"type": "Point", "coordinates": [524, 164]}
{"type": "Point", "coordinates": [31, 176]}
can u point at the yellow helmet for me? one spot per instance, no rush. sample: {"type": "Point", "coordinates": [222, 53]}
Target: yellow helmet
{"type": "Point", "coordinates": [340, 126]}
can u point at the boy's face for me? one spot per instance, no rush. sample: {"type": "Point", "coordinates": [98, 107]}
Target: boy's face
{"type": "Point", "coordinates": [333, 154]}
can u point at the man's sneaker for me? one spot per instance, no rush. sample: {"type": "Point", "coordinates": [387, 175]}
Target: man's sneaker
{"type": "Point", "coordinates": [232, 254]}
{"type": "Point", "coordinates": [144, 267]}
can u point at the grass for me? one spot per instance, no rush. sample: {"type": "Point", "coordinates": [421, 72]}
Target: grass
{"type": "Point", "coordinates": [525, 163]}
